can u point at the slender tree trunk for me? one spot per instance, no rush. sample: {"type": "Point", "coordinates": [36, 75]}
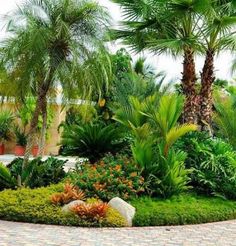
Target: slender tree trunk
{"type": "Point", "coordinates": [33, 126]}
{"type": "Point", "coordinates": [31, 134]}
{"type": "Point", "coordinates": [206, 100]}
{"type": "Point", "coordinates": [44, 128]}
{"type": "Point", "coordinates": [188, 84]}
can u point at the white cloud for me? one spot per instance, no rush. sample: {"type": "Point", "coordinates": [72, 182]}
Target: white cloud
{"type": "Point", "coordinates": [173, 67]}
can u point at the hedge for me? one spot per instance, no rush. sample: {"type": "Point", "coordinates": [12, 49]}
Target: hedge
{"type": "Point", "coordinates": [184, 209]}
{"type": "Point", "coordinates": [34, 206]}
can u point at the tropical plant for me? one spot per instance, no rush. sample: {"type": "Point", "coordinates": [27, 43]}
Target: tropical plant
{"type": "Point", "coordinates": [6, 122]}
{"type": "Point", "coordinates": [43, 50]}
{"type": "Point", "coordinates": [71, 193]}
{"type": "Point", "coordinates": [218, 35]}
{"type": "Point", "coordinates": [92, 211]}
{"type": "Point", "coordinates": [167, 26]}
{"type": "Point", "coordinates": [91, 140]}
{"type": "Point", "coordinates": [6, 179]}
{"type": "Point", "coordinates": [225, 118]}
{"type": "Point", "coordinates": [38, 173]}
{"type": "Point", "coordinates": [154, 126]}
{"type": "Point", "coordinates": [213, 164]}
{"type": "Point", "coordinates": [109, 178]}
{"type": "Point", "coordinates": [21, 137]}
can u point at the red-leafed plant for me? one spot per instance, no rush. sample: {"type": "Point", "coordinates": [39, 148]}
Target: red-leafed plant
{"type": "Point", "coordinates": [91, 211]}
{"type": "Point", "coordinates": [71, 193]}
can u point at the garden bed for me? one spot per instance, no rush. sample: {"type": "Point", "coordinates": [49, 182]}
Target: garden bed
{"type": "Point", "coordinates": [34, 206]}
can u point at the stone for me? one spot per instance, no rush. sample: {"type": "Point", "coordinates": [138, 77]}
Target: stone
{"type": "Point", "coordinates": [124, 208]}
{"type": "Point", "coordinates": [67, 208]}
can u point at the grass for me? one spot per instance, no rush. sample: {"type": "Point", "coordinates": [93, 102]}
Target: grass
{"type": "Point", "coordinates": [184, 209]}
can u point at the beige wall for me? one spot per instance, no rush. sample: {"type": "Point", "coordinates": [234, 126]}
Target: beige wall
{"type": "Point", "coordinates": [53, 137]}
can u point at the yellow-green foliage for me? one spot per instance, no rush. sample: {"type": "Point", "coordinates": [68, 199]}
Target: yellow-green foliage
{"type": "Point", "coordinates": [92, 200]}
{"type": "Point", "coordinates": [115, 219]}
{"type": "Point", "coordinates": [34, 206]}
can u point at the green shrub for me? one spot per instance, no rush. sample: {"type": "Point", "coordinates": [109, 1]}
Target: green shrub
{"type": "Point", "coordinates": [34, 206]}
{"type": "Point", "coordinates": [91, 140]}
{"type": "Point", "coordinates": [111, 177]}
{"type": "Point", "coordinates": [37, 173]}
{"type": "Point", "coordinates": [6, 179]}
{"type": "Point", "coordinates": [6, 122]}
{"type": "Point", "coordinates": [180, 210]}
{"type": "Point", "coordinates": [213, 162]}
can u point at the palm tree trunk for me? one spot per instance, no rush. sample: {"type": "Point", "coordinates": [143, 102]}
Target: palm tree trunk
{"type": "Point", "coordinates": [188, 85]}
{"type": "Point", "coordinates": [44, 129]}
{"type": "Point", "coordinates": [33, 127]}
{"type": "Point", "coordinates": [206, 100]}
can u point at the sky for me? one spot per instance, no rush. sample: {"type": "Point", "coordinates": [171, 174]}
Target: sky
{"type": "Point", "coordinates": [168, 64]}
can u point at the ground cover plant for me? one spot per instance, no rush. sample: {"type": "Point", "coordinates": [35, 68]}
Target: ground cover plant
{"type": "Point", "coordinates": [34, 205]}
{"type": "Point", "coordinates": [183, 209]}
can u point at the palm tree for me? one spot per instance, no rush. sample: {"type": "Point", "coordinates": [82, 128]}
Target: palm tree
{"type": "Point", "coordinates": [167, 26]}
{"type": "Point", "coordinates": [52, 42]}
{"type": "Point", "coordinates": [218, 35]}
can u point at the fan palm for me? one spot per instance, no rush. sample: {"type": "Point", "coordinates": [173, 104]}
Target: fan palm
{"type": "Point", "coordinates": [218, 34]}
{"type": "Point", "coordinates": [52, 42]}
{"type": "Point", "coordinates": [169, 26]}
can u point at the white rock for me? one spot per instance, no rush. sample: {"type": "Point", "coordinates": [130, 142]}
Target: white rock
{"type": "Point", "coordinates": [124, 208]}
{"type": "Point", "coordinates": [67, 208]}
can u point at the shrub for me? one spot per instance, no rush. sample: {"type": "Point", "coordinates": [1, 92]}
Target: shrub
{"type": "Point", "coordinates": [6, 179]}
{"type": "Point", "coordinates": [37, 173]}
{"type": "Point", "coordinates": [91, 140]}
{"type": "Point", "coordinates": [180, 210]}
{"type": "Point", "coordinates": [70, 193]}
{"type": "Point", "coordinates": [6, 122]}
{"type": "Point", "coordinates": [34, 206]}
{"type": "Point", "coordinates": [91, 211]}
{"type": "Point", "coordinates": [111, 177]}
{"type": "Point", "coordinates": [213, 162]}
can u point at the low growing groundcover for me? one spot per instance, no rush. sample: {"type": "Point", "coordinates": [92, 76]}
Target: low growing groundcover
{"type": "Point", "coordinates": [183, 209]}
{"type": "Point", "coordinates": [33, 205]}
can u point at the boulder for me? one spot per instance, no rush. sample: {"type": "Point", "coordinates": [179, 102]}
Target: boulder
{"type": "Point", "coordinates": [124, 208]}
{"type": "Point", "coordinates": [67, 208]}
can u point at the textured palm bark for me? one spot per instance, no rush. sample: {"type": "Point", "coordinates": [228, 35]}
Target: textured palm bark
{"type": "Point", "coordinates": [189, 88]}
{"type": "Point", "coordinates": [44, 128]}
{"type": "Point", "coordinates": [206, 100]}
{"type": "Point", "coordinates": [33, 127]}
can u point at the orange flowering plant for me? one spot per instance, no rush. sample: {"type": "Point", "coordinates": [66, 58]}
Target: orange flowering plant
{"type": "Point", "coordinates": [108, 178]}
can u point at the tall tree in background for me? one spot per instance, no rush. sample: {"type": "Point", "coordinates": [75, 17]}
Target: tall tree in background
{"type": "Point", "coordinates": [169, 26]}
{"type": "Point", "coordinates": [57, 38]}
{"type": "Point", "coordinates": [218, 35]}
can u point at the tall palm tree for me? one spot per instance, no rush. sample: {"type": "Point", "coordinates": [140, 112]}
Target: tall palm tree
{"type": "Point", "coordinates": [51, 42]}
{"type": "Point", "coordinates": [169, 26]}
{"type": "Point", "coordinates": [218, 34]}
